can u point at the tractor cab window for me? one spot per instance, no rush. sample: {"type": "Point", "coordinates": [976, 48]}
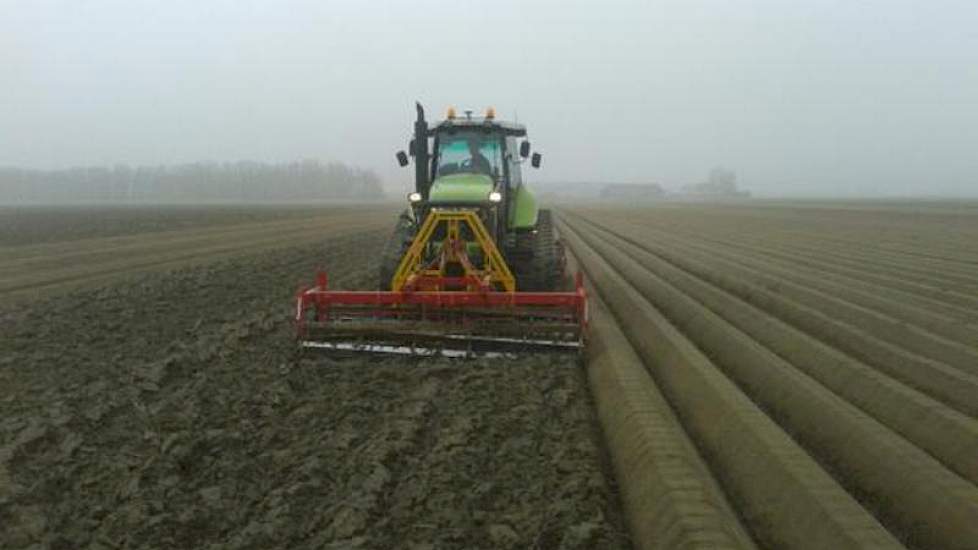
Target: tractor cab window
{"type": "Point", "coordinates": [469, 152]}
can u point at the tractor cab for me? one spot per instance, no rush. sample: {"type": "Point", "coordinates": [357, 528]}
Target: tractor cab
{"type": "Point", "coordinates": [473, 162]}
{"type": "Point", "coordinates": [471, 152]}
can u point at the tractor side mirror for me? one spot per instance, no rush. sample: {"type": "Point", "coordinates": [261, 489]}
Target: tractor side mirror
{"type": "Point", "coordinates": [402, 158]}
{"type": "Point", "coordinates": [525, 149]}
{"type": "Point", "coordinates": [535, 160]}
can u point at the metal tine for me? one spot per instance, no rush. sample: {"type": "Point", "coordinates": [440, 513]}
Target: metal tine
{"type": "Point", "coordinates": [447, 348]}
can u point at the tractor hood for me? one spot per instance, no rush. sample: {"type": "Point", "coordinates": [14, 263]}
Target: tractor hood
{"type": "Point", "coordinates": [460, 188]}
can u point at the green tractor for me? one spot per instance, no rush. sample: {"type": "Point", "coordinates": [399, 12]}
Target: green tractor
{"type": "Point", "coordinates": [476, 163]}
{"type": "Point", "coordinates": [473, 266]}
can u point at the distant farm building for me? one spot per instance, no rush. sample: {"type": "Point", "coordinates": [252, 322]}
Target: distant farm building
{"type": "Point", "coordinates": [721, 183]}
{"type": "Point", "coordinates": [632, 191]}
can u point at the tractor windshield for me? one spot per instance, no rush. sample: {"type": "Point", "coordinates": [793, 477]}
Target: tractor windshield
{"type": "Point", "coordinates": [470, 152]}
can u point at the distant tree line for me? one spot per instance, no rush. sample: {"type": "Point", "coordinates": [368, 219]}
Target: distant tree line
{"type": "Point", "coordinates": [204, 181]}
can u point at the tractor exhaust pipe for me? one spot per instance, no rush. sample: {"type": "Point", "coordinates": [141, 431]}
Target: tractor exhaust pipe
{"type": "Point", "coordinates": [421, 155]}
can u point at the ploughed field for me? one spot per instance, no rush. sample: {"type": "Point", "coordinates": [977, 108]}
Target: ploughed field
{"type": "Point", "coordinates": [787, 375]}
{"type": "Point", "coordinates": [766, 375]}
{"type": "Point", "coordinates": [151, 396]}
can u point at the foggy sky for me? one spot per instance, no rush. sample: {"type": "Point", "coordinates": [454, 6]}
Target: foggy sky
{"type": "Point", "coordinates": [799, 98]}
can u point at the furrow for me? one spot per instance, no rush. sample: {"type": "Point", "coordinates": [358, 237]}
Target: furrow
{"type": "Point", "coordinates": [910, 491]}
{"type": "Point", "coordinates": [669, 496]}
{"type": "Point", "coordinates": [797, 305]}
{"type": "Point", "coordinates": [208, 250]}
{"type": "Point", "coordinates": [907, 324]}
{"type": "Point", "coordinates": [786, 498]}
{"type": "Point", "coordinates": [965, 302]}
{"type": "Point", "coordinates": [943, 432]}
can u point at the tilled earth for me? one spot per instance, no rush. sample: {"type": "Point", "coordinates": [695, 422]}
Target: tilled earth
{"type": "Point", "coordinates": [172, 410]}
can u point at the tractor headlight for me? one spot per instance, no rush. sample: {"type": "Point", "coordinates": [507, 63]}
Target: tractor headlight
{"type": "Point", "coordinates": [495, 196]}
{"type": "Point", "coordinates": [414, 197]}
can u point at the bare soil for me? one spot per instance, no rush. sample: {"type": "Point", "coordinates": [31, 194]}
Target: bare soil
{"type": "Point", "coordinates": [27, 225]}
{"type": "Point", "coordinates": [170, 409]}
{"type": "Point", "coordinates": [774, 375]}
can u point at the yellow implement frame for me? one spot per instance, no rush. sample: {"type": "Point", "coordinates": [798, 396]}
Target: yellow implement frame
{"type": "Point", "coordinates": [494, 270]}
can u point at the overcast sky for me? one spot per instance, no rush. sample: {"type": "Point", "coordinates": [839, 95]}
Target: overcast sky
{"type": "Point", "coordinates": [799, 98]}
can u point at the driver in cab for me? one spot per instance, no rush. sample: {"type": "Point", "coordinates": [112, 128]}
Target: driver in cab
{"type": "Point", "coordinates": [477, 163]}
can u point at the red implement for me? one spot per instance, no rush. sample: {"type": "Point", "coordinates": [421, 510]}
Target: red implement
{"type": "Point", "coordinates": [441, 322]}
